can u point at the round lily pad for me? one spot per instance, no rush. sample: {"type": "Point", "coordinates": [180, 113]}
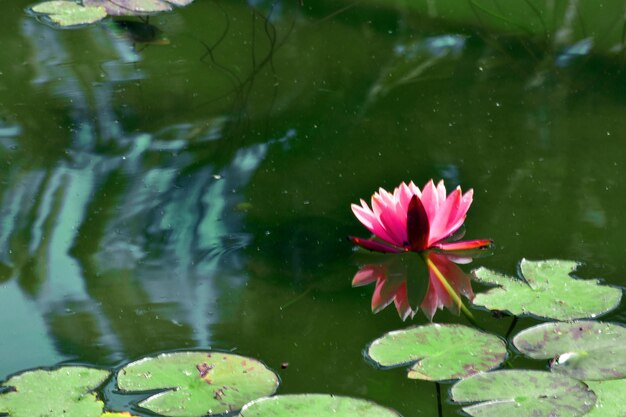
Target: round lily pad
{"type": "Point", "coordinates": [523, 394]}
{"type": "Point", "coordinates": [438, 352]}
{"type": "Point", "coordinates": [547, 291]}
{"type": "Point", "coordinates": [68, 13]}
{"type": "Point", "coordinates": [611, 396]}
{"type": "Point", "coordinates": [197, 383]}
{"type": "Point", "coordinates": [65, 391]}
{"type": "Point", "coordinates": [314, 405]}
{"type": "Point", "coordinates": [586, 350]}
{"type": "Point", "coordinates": [135, 7]}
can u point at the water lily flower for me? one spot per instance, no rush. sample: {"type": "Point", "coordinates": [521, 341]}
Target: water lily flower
{"type": "Point", "coordinates": [428, 222]}
{"type": "Point", "coordinates": [410, 219]}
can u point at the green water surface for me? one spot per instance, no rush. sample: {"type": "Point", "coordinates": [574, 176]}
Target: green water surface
{"type": "Point", "coordinates": [195, 191]}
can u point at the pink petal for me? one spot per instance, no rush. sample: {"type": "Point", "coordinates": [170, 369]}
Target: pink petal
{"type": "Point", "coordinates": [365, 215]}
{"type": "Point", "coordinates": [374, 245]}
{"type": "Point", "coordinates": [386, 220]}
{"type": "Point", "coordinates": [466, 202]}
{"type": "Point", "coordinates": [443, 223]}
{"type": "Point", "coordinates": [441, 191]}
{"type": "Point", "coordinates": [430, 200]}
{"type": "Point", "coordinates": [404, 195]}
{"type": "Point", "coordinates": [369, 219]}
{"type": "Point", "coordinates": [415, 189]}
{"type": "Point", "coordinates": [392, 217]}
{"type": "Point", "coordinates": [464, 245]}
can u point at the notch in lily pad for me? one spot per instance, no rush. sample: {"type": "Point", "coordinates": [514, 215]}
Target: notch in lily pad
{"type": "Point", "coordinates": [196, 383]}
{"type": "Point", "coordinates": [439, 352]}
{"type": "Point", "coordinates": [585, 350]}
{"type": "Point", "coordinates": [65, 391]}
{"type": "Point", "coordinates": [523, 394]}
{"type": "Point", "coordinates": [69, 14]}
{"type": "Point", "coordinates": [314, 405]}
{"type": "Point", "coordinates": [546, 290]}
{"type": "Point", "coordinates": [610, 402]}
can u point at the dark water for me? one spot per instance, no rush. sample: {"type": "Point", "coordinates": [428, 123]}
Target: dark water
{"type": "Point", "coordinates": [191, 187]}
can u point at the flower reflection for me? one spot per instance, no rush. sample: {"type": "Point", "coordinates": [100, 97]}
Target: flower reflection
{"type": "Point", "coordinates": [444, 288]}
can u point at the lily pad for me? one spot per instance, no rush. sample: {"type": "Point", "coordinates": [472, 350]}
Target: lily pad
{"type": "Point", "coordinates": [135, 7]}
{"type": "Point", "coordinates": [118, 414]}
{"type": "Point", "coordinates": [586, 350]}
{"type": "Point", "coordinates": [439, 352]}
{"type": "Point", "coordinates": [523, 394]}
{"type": "Point", "coordinates": [65, 391]}
{"type": "Point", "coordinates": [314, 405]}
{"type": "Point", "coordinates": [611, 396]}
{"type": "Point", "coordinates": [197, 383]}
{"type": "Point", "coordinates": [68, 13]}
{"type": "Point", "coordinates": [547, 291]}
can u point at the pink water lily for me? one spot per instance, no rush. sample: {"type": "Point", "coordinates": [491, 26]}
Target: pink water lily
{"type": "Point", "coordinates": [410, 219]}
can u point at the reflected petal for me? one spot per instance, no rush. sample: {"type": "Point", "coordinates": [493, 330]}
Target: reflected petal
{"type": "Point", "coordinates": [367, 275]}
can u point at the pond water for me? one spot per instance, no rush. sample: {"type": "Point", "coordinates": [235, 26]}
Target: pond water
{"type": "Point", "coordinates": [191, 187]}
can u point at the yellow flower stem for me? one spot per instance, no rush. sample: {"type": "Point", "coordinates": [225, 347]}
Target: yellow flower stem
{"type": "Point", "coordinates": [451, 291]}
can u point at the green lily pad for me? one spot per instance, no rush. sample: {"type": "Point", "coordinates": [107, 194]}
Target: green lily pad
{"type": "Point", "coordinates": [314, 405]}
{"type": "Point", "coordinates": [197, 383]}
{"type": "Point", "coordinates": [67, 13]}
{"type": "Point", "coordinates": [65, 391]}
{"type": "Point", "coordinates": [135, 7]}
{"type": "Point", "coordinates": [586, 350]}
{"type": "Point", "coordinates": [439, 352]}
{"type": "Point", "coordinates": [611, 396]}
{"type": "Point", "coordinates": [547, 291]}
{"type": "Point", "coordinates": [523, 394]}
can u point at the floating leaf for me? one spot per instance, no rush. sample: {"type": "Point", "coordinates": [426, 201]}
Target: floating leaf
{"type": "Point", "coordinates": [65, 391]}
{"type": "Point", "coordinates": [523, 394]}
{"type": "Point", "coordinates": [548, 291]}
{"type": "Point", "coordinates": [197, 383]}
{"type": "Point", "coordinates": [611, 396]}
{"type": "Point", "coordinates": [314, 405]}
{"type": "Point", "coordinates": [586, 350]}
{"type": "Point", "coordinates": [439, 351]}
{"type": "Point", "coordinates": [118, 414]}
{"type": "Point", "coordinates": [135, 7]}
{"type": "Point", "coordinates": [67, 13]}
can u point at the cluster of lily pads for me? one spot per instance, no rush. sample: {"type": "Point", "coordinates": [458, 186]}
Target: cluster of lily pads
{"type": "Point", "coordinates": [587, 358]}
{"type": "Point", "coordinates": [68, 13]}
{"type": "Point", "coordinates": [586, 376]}
{"type": "Point", "coordinates": [176, 384]}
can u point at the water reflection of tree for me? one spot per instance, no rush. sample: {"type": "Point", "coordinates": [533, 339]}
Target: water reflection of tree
{"type": "Point", "coordinates": [127, 243]}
